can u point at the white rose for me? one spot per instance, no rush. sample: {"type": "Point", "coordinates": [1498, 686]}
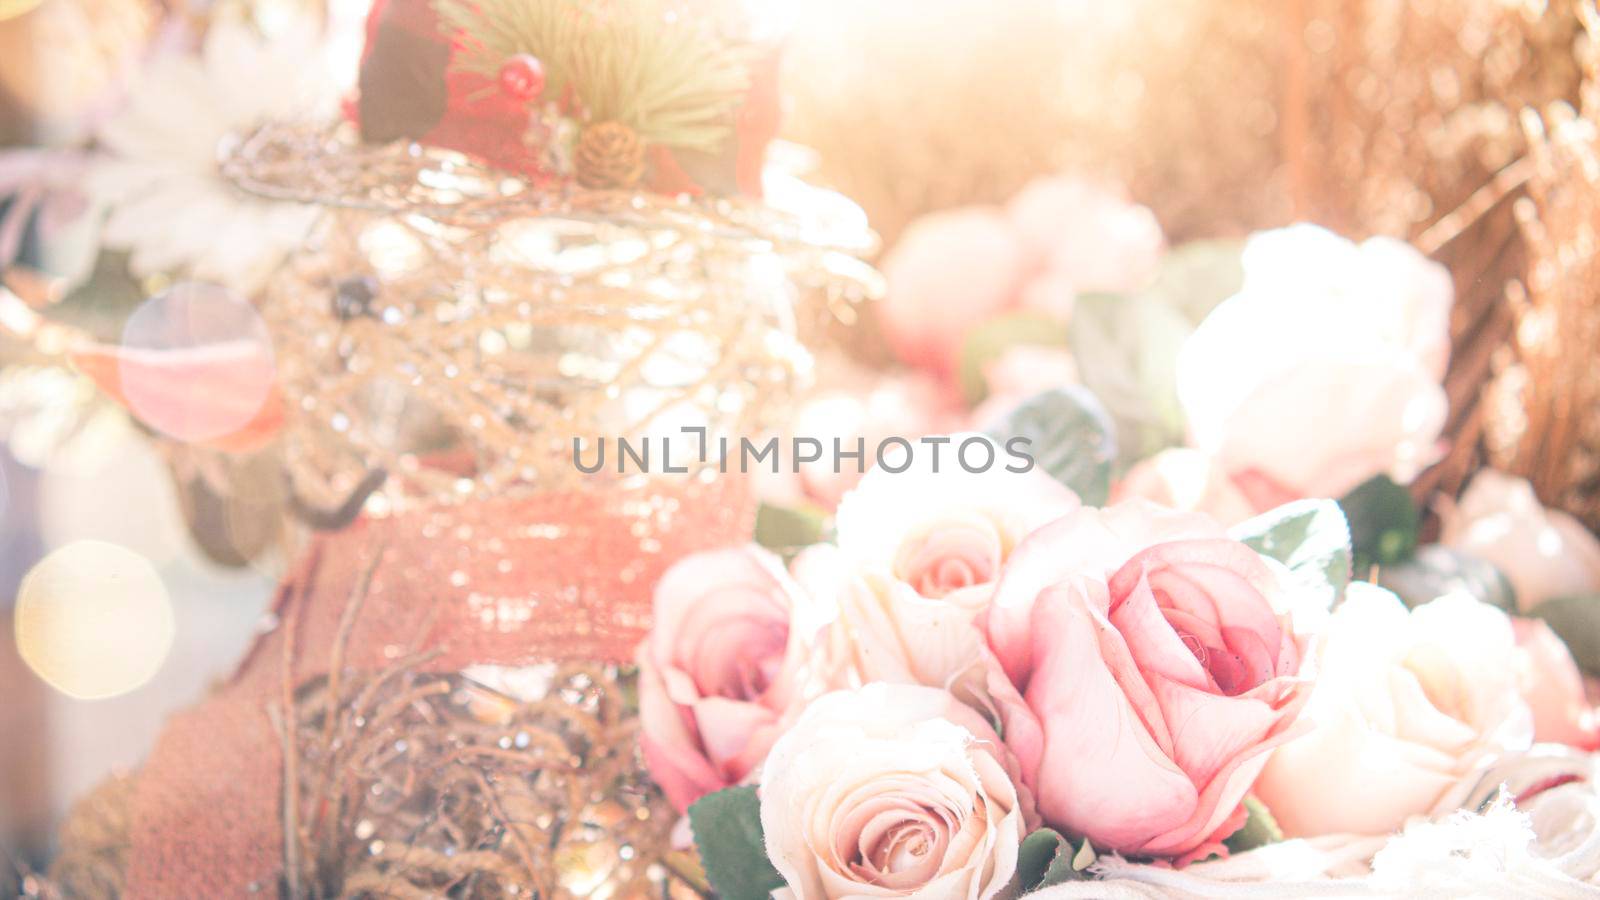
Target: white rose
{"type": "Point", "coordinates": [917, 557]}
{"type": "Point", "coordinates": [941, 528]}
{"type": "Point", "coordinates": [891, 791]}
{"type": "Point", "coordinates": [880, 629]}
{"type": "Point", "coordinates": [1543, 553]}
{"type": "Point", "coordinates": [1324, 369]}
{"type": "Point", "coordinates": [1405, 704]}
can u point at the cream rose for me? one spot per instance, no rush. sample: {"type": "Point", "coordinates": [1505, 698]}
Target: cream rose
{"type": "Point", "coordinates": [917, 558]}
{"type": "Point", "coordinates": [1405, 704]}
{"type": "Point", "coordinates": [1324, 369]}
{"type": "Point", "coordinates": [891, 791]}
{"type": "Point", "coordinates": [944, 529]}
{"type": "Point", "coordinates": [1544, 553]}
{"type": "Point", "coordinates": [880, 629]}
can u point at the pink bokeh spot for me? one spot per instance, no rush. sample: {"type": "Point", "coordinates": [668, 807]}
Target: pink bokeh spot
{"type": "Point", "coordinates": [196, 363]}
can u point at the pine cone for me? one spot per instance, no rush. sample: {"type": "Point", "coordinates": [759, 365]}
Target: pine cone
{"type": "Point", "coordinates": [609, 155]}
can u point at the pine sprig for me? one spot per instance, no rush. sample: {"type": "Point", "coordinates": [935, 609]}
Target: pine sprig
{"type": "Point", "coordinates": [645, 63]}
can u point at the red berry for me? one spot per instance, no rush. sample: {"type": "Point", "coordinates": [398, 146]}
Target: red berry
{"type": "Point", "coordinates": [522, 76]}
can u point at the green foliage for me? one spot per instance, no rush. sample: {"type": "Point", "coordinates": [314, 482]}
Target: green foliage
{"type": "Point", "coordinates": [1311, 538]}
{"type": "Point", "coordinates": [1126, 348]}
{"type": "Point", "coordinates": [788, 529]}
{"type": "Point", "coordinates": [1259, 829]}
{"type": "Point", "coordinates": [1127, 345]}
{"type": "Point", "coordinates": [671, 78]}
{"type": "Point", "coordinates": [1383, 523]}
{"type": "Point", "coordinates": [1196, 276]}
{"type": "Point", "coordinates": [1045, 858]}
{"type": "Point", "coordinates": [1436, 570]}
{"type": "Point", "coordinates": [727, 832]}
{"type": "Point", "coordinates": [1071, 439]}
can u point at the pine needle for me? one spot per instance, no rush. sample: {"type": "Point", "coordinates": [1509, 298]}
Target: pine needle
{"type": "Point", "coordinates": [645, 63]}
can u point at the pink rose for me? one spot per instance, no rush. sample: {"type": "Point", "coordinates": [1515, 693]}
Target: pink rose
{"type": "Point", "coordinates": [1544, 553]}
{"type": "Point", "coordinates": [1553, 688]}
{"type": "Point", "coordinates": [719, 672]}
{"type": "Point", "coordinates": [1090, 236]}
{"type": "Point", "coordinates": [1155, 672]}
{"type": "Point", "coordinates": [1059, 237]}
{"type": "Point", "coordinates": [949, 272]}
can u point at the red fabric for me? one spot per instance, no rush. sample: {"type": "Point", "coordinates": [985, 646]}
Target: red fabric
{"type": "Point", "coordinates": [206, 817]}
{"type": "Point", "coordinates": [482, 121]}
{"type": "Point", "coordinates": [756, 124]}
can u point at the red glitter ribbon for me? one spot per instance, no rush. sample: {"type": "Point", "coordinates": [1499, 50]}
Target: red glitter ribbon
{"type": "Point", "coordinates": [206, 814]}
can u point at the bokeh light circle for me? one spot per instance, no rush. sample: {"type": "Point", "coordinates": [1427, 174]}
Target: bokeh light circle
{"type": "Point", "coordinates": [196, 362]}
{"type": "Point", "coordinates": [93, 620]}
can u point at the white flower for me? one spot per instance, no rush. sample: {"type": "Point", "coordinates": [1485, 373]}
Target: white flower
{"type": "Point", "coordinates": [918, 555]}
{"type": "Point", "coordinates": [1324, 369]}
{"type": "Point", "coordinates": [940, 527]}
{"type": "Point", "coordinates": [891, 791]}
{"type": "Point", "coordinates": [880, 629]}
{"type": "Point", "coordinates": [166, 200]}
{"type": "Point", "coordinates": [1405, 704]}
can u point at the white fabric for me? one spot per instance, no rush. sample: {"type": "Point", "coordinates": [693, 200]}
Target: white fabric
{"type": "Point", "coordinates": [1548, 846]}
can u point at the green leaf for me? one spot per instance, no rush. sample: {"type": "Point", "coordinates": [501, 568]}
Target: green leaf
{"type": "Point", "coordinates": [1196, 276]}
{"type": "Point", "coordinates": [787, 529]}
{"type": "Point", "coordinates": [1126, 349]}
{"type": "Point", "coordinates": [1046, 858]}
{"type": "Point", "coordinates": [727, 832]}
{"type": "Point", "coordinates": [1070, 436]}
{"type": "Point", "coordinates": [1383, 523]}
{"type": "Point", "coordinates": [1311, 538]}
{"type": "Point", "coordinates": [1436, 570]}
{"type": "Point", "coordinates": [989, 341]}
{"type": "Point", "coordinates": [1260, 828]}
{"type": "Point", "coordinates": [1577, 621]}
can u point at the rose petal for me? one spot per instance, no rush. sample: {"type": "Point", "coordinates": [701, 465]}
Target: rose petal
{"type": "Point", "coordinates": [1101, 773]}
{"type": "Point", "coordinates": [1209, 731]}
{"type": "Point", "coordinates": [1154, 644]}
